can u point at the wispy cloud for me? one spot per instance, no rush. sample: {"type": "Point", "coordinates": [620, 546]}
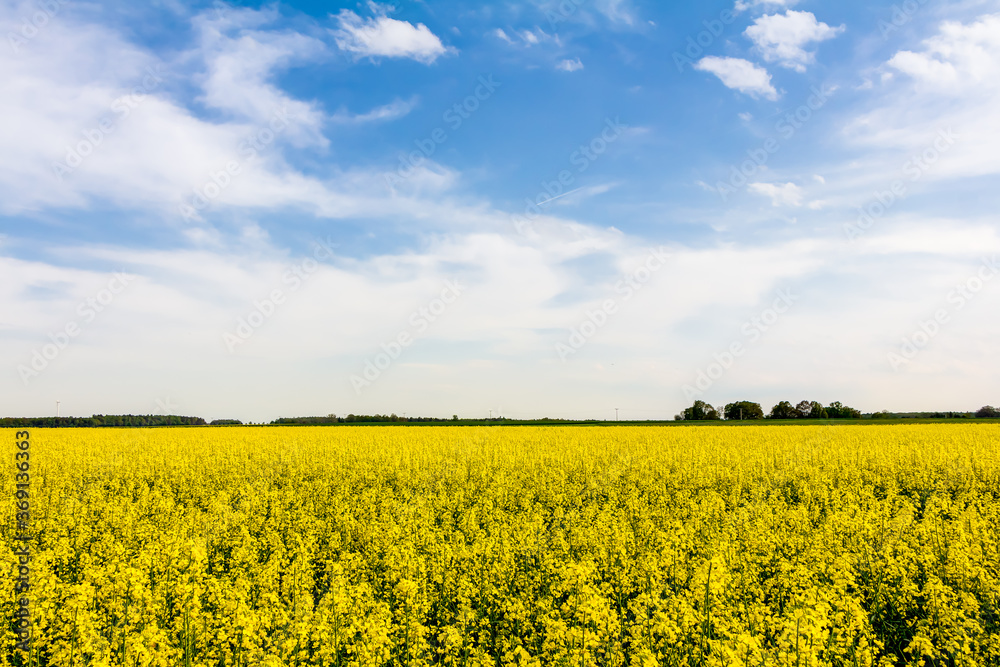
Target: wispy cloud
{"type": "Point", "coordinates": [242, 53]}
{"type": "Point", "coordinates": [392, 111]}
{"type": "Point", "coordinates": [742, 6]}
{"type": "Point", "coordinates": [502, 34]}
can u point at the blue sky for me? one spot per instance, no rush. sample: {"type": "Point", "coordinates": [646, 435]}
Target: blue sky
{"type": "Point", "coordinates": [535, 208]}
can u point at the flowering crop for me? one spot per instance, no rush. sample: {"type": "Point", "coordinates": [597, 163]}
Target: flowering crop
{"type": "Point", "coordinates": [483, 546]}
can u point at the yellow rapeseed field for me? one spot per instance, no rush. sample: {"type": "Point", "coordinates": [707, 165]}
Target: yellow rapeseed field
{"type": "Point", "coordinates": [474, 546]}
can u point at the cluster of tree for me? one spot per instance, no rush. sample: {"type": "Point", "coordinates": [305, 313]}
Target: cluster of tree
{"type": "Point", "coordinates": [700, 411]}
{"type": "Point", "coordinates": [97, 421]}
{"type": "Point", "coordinates": [225, 422]}
{"type": "Point", "coordinates": [744, 410]}
{"type": "Point", "coordinates": [813, 410]}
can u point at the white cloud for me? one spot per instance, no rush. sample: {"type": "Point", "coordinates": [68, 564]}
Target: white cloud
{"type": "Point", "coordinates": [241, 56]}
{"type": "Point", "coordinates": [527, 37]}
{"type": "Point", "coordinates": [742, 6]}
{"type": "Point", "coordinates": [739, 74]}
{"type": "Point", "coordinates": [781, 37]}
{"type": "Point", "coordinates": [958, 56]}
{"type": "Point", "coordinates": [537, 36]}
{"type": "Point", "coordinates": [159, 151]}
{"type": "Point", "coordinates": [381, 36]}
{"type": "Point", "coordinates": [617, 11]}
{"type": "Point", "coordinates": [570, 65]}
{"type": "Point", "coordinates": [574, 197]}
{"type": "Point", "coordinates": [787, 194]}
{"type": "Point", "coordinates": [945, 93]}
{"type": "Point", "coordinates": [499, 32]}
{"type": "Point", "coordinates": [393, 110]}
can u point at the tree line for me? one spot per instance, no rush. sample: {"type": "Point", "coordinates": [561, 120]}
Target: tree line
{"type": "Point", "coordinates": [748, 410]}
{"type": "Point", "coordinates": [100, 421]}
{"type": "Point", "coordinates": [355, 419]}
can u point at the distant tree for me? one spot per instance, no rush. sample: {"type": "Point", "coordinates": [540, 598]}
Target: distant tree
{"type": "Point", "coordinates": [696, 412]}
{"type": "Point", "coordinates": [700, 411]}
{"type": "Point", "coordinates": [988, 412]}
{"type": "Point", "coordinates": [744, 410]}
{"type": "Point", "coordinates": [838, 410]}
{"type": "Point", "coordinates": [783, 410]}
{"type": "Point", "coordinates": [454, 418]}
{"type": "Point", "coordinates": [804, 409]}
{"type": "Point", "coordinates": [850, 413]}
{"type": "Point", "coordinates": [884, 414]}
{"type": "Point", "coordinates": [817, 411]}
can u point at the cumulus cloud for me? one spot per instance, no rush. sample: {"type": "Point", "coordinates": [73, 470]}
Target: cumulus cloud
{"type": "Point", "coordinates": [382, 36]}
{"type": "Point", "coordinates": [570, 65]}
{"type": "Point", "coordinates": [782, 38]}
{"type": "Point", "coordinates": [958, 55]}
{"type": "Point", "coordinates": [739, 74]}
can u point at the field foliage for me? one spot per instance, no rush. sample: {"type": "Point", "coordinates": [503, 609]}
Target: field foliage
{"type": "Point", "coordinates": [760, 545]}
